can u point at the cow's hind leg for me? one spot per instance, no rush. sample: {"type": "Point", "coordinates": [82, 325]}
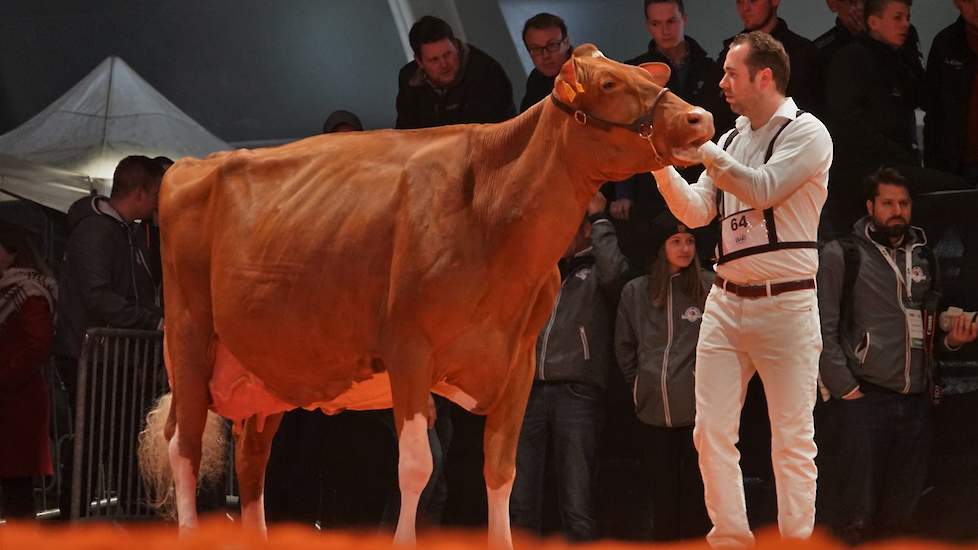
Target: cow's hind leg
{"type": "Point", "coordinates": [188, 349]}
{"type": "Point", "coordinates": [503, 424]}
{"type": "Point", "coordinates": [252, 447]}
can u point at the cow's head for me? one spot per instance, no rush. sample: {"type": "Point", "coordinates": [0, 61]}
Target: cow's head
{"type": "Point", "coordinates": [628, 109]}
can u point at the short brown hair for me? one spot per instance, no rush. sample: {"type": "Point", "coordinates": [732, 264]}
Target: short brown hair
{"type": "Point", "coordinates": [135, 172]}
{"type": "Point", "coordinates": [678, 3]}
{"type": "Point", "coordinates": [766, 52]}
{"type": "Point", "coordinates": [885, 175]}
{"type": "Point", "coordinates": [876, 7]}
{"type": "Point", "coordinates": [545, 20]}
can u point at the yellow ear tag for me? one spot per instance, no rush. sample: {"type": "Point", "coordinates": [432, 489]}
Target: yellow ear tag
{"type": "Point", "coordinates": [580, 88]}
{"type": "Point", "coordinates": [569, 91]}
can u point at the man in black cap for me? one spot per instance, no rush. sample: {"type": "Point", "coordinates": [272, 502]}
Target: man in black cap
{"type": "Point", "coordinates": [342, 121]}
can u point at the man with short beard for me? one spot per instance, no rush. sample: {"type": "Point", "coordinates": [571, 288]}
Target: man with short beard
{"type": "Point", "coordinates": [878, 336]}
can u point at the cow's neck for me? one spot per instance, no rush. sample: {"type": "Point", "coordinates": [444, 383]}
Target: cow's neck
{"type": "Point", "coordinates": [534, 178]}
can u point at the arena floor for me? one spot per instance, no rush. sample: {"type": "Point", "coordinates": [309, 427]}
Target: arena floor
{"type": "Point", "coordinates": [222, 535]}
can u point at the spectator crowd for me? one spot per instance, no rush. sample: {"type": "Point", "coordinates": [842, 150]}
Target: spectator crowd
{"type": "Point", "coordinates": [635, 281]}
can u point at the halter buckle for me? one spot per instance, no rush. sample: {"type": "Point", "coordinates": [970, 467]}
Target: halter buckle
{"type": "Point", "coordinates": [580, 117]}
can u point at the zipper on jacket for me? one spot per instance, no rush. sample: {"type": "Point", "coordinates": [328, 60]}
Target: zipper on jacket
{"type": "Point", "coordinates": [550, 326]}
{"type": "Point", "coordinates": [587, 351]}
{"type": "Point", "coordinates": [665, 357]}
{"type": "Point", "coordinates": [906, 330]}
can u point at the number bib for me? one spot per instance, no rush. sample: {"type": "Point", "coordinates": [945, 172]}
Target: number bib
{"type": "Point", "coordinates": [915, 323]}
{"type": "Point", "coordinates": [743, 230]}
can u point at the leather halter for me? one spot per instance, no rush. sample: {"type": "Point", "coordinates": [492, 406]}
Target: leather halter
{"type": "Point", "coordinates": [641, 126]}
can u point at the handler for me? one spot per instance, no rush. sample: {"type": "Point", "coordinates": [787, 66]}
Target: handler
{"type": "Point", "coordinates": [767, 183]}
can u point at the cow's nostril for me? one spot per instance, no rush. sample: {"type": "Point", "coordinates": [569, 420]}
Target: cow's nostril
{"type": "Point", "coordinates": [694, 118]}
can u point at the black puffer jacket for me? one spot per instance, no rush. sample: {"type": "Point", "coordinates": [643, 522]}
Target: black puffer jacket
{"type": "Point", "coordinates": [483, 93]}
{"type": "Point", "coordinates": [538, 86]}
{"type": "Point", "coordinates": [575, 344]}
{"type": "Point", "coordinates": [872, 92]}
{"type": "Point", "coordinates": [105, 279]}
{"type": "Point", "coordinates": [951, 68]}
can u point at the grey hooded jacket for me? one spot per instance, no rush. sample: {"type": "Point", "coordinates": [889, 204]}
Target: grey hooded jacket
{"type": "Point", "coordinates": [576, 343]}
{"type": "Point", "coordinates": [877, 348]}
{"type": "Point", "coordinates": [656, 351]}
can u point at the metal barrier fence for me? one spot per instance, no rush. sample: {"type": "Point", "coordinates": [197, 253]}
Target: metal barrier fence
{"type": "Point", "coordinates": [120, 375]}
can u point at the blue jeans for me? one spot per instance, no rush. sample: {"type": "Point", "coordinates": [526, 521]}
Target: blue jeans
{"type": "Point", "coordinates": [566, 417]}
{"type": "Point", "coordinates": [885, 441]}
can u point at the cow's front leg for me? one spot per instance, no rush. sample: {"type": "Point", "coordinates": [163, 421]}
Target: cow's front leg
{"type": "Point", "coordinates": [502, 433]}
{"type": "Point", "coordinates": [410, 389]}
{"type": "Point", "coordinates": [251, 450]}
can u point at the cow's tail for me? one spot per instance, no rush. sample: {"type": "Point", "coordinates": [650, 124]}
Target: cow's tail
{"type": "Point", "coordinates": [154, 458]}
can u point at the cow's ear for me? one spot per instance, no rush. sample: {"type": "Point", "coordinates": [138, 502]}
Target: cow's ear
{"type": "Point", "coordinates": [660, 72]}
{"type": "Point", "coordinates": [566, 85]}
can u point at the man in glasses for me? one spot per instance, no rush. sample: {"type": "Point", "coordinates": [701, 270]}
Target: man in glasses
{"type": "Point", "coordinates": [545, 38]}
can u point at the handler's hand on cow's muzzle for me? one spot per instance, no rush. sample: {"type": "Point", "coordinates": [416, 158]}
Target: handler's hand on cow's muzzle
{"type": "Point", "coordinates": [688, 156]}
{"type": "Point", "coordinates": [597, 204]}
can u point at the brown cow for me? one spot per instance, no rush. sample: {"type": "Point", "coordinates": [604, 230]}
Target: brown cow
{"type": "Point", "coordinates": [360, 270]}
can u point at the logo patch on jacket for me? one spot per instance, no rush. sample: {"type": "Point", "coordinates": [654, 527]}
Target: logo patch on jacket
{"type": "Point", "coordinates": [692, 314]}
{"type": "Point", "coordinates": [583, 273]}
{"type": "Point", "coordinates": [917, 274]}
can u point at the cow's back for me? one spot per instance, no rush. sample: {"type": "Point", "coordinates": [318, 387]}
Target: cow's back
{"type": "Point", "coordinates": [298, 243]}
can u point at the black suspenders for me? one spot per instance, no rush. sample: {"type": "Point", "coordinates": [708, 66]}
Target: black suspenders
{"type": "Point", "coordinates": [772, 233]}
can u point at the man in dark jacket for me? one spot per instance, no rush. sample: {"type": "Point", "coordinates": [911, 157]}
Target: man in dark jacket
{"type": "Point", "coordinates": [546, 40]}
{"type": "Point", "coordinates": [566, 408]}
{"type": "Point", "coordinates": [876, 360]}
{"type": "Point", "coordinates": [106, 279]}
{"type": "Point", "coordinates": [762, 15]}
{"type": "Point", "coordinates": [874, 86]}
{"type": "Point", "coordinates": [848, 24]}
{"type": "Point", "coordinates": [695, 78]}
{"type": "Point", "coordinates": [449, 82]}
{"type": "Point", "coordinates": [951, 124]}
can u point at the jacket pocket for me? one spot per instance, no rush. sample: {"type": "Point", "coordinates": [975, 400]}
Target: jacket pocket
{"type": "Point", "coordinates": [584, 343]}
{"type": "Point", "coordinates": [587, 392]}
{"type": "Point", "coordinates": [862, 349]}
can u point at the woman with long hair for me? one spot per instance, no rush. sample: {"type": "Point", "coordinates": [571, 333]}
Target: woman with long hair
{"type": "Point", "coordinates": [655, 343]}
{"type": "Point", "coordinates": [27, 299]}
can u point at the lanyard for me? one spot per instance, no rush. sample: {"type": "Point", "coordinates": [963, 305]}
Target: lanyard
{"type": "Point", "coordinates": [906, 275]}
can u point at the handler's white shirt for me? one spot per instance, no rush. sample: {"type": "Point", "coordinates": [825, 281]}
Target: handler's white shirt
{"type": "Point", "coordinates": [794, 182]}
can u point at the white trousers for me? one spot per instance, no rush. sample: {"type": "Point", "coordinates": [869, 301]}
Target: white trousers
{"type": "Point", "coordinates": [780, 338]}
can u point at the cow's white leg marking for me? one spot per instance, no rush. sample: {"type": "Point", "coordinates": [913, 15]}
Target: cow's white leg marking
{"type": "Point", "coordinates": [500, 535]}
{"type": "Point", "coordinates": [253, 514]}
{"type": "Point", "coordinates": [185, 484]}
{"type": "Point", "coordinates": [413, 472]}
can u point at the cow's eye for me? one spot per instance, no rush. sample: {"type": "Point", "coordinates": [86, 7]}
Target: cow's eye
{"type": "Point", "coordinates": [608, 85]}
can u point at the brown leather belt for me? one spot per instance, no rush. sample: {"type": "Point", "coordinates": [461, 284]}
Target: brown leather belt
{"type": "Point", "coordinates": [760, 291]}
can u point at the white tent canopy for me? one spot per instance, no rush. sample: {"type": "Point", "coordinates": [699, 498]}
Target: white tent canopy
{"type": "Point", "coordinates": [51, 187]}
{"type": "Point", "coordinates": [108, 115]}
